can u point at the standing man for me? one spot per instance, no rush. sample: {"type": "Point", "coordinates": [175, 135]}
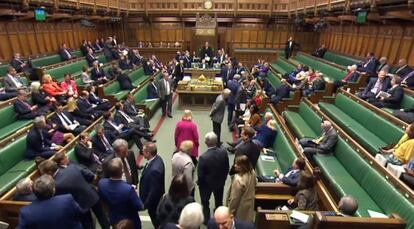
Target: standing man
{"type": "Point", "coordinates": [206, 52]}
{"type": "Point", "coordinates": [213, 167]}
{"type": "Point", "coordinates": [233, 85]}
{"type": "Point", "coordinates": [165, 94]}
{"type": "Point", "coordinates": [217, 112]}
{"type": "Point", "coordinates": [290, 47]}
{"type": "Point", "coordinates": [152, 187]}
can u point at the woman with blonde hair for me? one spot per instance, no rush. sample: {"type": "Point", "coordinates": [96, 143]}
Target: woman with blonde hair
{"type": "Point", "coordinates": [84, 119]}
{"type": "Point", "coordinates": [41, 99]}
{"type": "Point", "coordinates": [266, 135]}
{"type": "Point", "coordinates": [240, 197]}
{"type": "Point", "coordinates": [53, 89]}
{"type": "Point", "coordinates": [186, 129]}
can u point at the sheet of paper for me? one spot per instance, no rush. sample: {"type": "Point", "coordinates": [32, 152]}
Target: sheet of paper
{"type": "Point", "coordinates": [267, 158]}
{"type": "Point", "coordinates": [299, 216]}
{"type": "Point", "coordinates": [374, 214]}
{"type": "Point", "coordinates": [186, 78]}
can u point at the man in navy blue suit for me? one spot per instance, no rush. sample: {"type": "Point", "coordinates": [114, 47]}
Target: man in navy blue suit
{"type": "Point", "coordinates": [223, 219]}
{"type": "Point", "coordinates": [50, 211]}
{"type": "Point", "coordinates": [39, 142]}
{"type": "Point", "coordinates": [233, 85]}
{"type": "Point", "coordinates": [152, 88]}
{"type": "Point", "coordinates": [375, 85]}
{"type": "Point", "coordinates": [369, 65]}
{"type": "Point", "coordinates": [152, 187]}
{"type": "Point", "coordinates": [120, 197]}
{"type": "Point", "coordinates": [290, 177]}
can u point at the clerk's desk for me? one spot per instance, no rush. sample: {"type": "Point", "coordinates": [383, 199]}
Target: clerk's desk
{"type": "Point", "coordinates": [209, 73]}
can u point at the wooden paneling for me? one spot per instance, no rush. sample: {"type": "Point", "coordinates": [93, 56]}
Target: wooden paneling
{"type": "Point", "coordinates": [38, 38]}
{"type": "Point", "coordinates": [393, 42]}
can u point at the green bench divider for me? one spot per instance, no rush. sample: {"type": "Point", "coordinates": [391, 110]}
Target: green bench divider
{"type": "Point", "coordinates": [350, 174]}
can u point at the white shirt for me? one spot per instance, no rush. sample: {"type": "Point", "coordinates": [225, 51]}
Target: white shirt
{"type": "Point", "coordinates": [16, 82]}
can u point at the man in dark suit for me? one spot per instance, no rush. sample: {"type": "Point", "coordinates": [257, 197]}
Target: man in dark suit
{"type": "Point", "coordinates": [114, 71]}
{"type": "Point", "coordinates": [217, 112]}
{"type": "Point", "coordinates": [64, 53]}
{"type": "Point", "coordinates": [290, 46]}
{"type": "Point", "coordinates": [320, 52]}
{"type": "Point", "coordinates": [247, 147]}
{"type": "Point", "coordinates": [120, 197]}
{"type": "Point", "coordinates": [12, 81]}
{"type": "Point", "coordinates": [87, 107]}
{"type": "Point", "coordinates": [233, 85]}
{"type": "Point", "coordinates": [90, 57]}
{"type": "Point", "coordinates": [165, 90]}
{"type": "Point", "coordinates": [25, 110]}
{"type": "Point", "coordinates": [84, 47]}
{"type": "Point", "coordinates": [396, 95]}
{"type": "Point", "coordinates": [213, 167]}
{"type": "Point", "coordinates": [17, 63]}
{"type": "Point", "coordinates": [70, 179]}
{"type": "Point", "coordinates": [131, 122]}
{"type": "Point", "coordinates": [206, 52]}
{"type": "Point", "coordinates": [24, 190]}
{"type": "Point", "coordinates": [403, 69]}
{"type": "Point", "coordinates": [136, 58]}
{"type": "Point", "coordinates": [283, 91]}
{"type": "Point", "coordinates": [290, 177]}
{"type": "Point", "coordinates": [152, 89]}
{"type": "Point", "coordinates": [85, 153]}
{"type": "Point", "coordinates": [351, 77]}
{"type": "Point", "coordinates": [125, 83]}
{"type": "Point", "coordinates": [382, 65]}
{"type": "Point", "coordinates": [325, 144]}
{"type": "Point", "coordinates": [223, 219]}
{"type": "Point", "coordinates": [65, 122]}
{"type": "Point", "coordinates": [152, 187]}
{"type": "Point", "coordinates": [50, 211]}
{"type": "Point", "coordinates": [375, 85]}
{"type": "Point", "coordinates": [178, 72]}
{"type": "Point", "coordinates": [369, 65]}
{"type": "Point", "coordinates": [227, 72]}
{"type": "Point", "coordinates": [102, 142]}
{"type": "Point", "coordinates": [148, 68]}
{"type": "Point", "coordinates": [94, 99]}
{"type": "Point", "coordinates": [39, 142]}
{"type": "Point", "coordinates": [124, 63]}
{"type": "Point", "coordinates": [98, 74]}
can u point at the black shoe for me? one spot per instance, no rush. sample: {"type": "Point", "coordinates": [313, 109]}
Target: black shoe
{"type": "Point", "coordinates": [170, 116]}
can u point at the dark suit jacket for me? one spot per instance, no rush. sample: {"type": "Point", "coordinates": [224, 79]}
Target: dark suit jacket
{"type": "Point", "coordinates": [64, 55]}
{"type": "Point", "coordinates": [152, 187]}
{"type": "Point", "coordinates": [98, 145]}
{"type": "Point", "coordinates": [22, 111]}
{"type": "Point", "coordinates": [57, 212]}
{"type": "Point", "coordinates": [148, 69]}
{"type": "Point", "coordinates": [394, 101]}
{"type": "Point", "coordinates": [34, 143]}
{"type": "Point", "coordinates": [179, 71]}
{"type": "Point", "coordinates": [213, 167]}
{"type": "Point", "coordinates": [85, 157]}
{"type": "Point", "coordinates": [290, 49]}
{"type": "Point", "coordinates": [17, 64]}
{"type": "Point", "coordinates": [251, 150]}
{"type": "Point", "coordinates": [131, 162]}
{"type": "Point", "coordinates": [404, 71]}
{"type": "Point", "coordinates": [84, 106]}
{"type": "Point", "coordinates": [95, 75]}
{"type": "Point", "coordinates": [292, 179]}
{"type": "Point", "coordinates": [125, 82]}
{"type": "Point", "coordinates": [384, 86]}
{"type": "Point", "coordinates": [114, 72]}
{"type": "Point", "coordinates": [152, 90]}
{"type": "Point", "coordinates": [206, 51]}
{"type": "Point", "coordinates": [70, 180]}
{"type": "Point", "coordinates": [162, 90]}
{"type": "Point", "coordinates": [29, 198]}
{"type": "Point", "coordinates": [123, 64]}
{"type": "Point", "coordinates": [370, 68]}
{"type": "Point", "coordinates": [233, 86]}
{"type": "Point", "coordinates": [90, 58]}
{"type": "Point", "coordinates": [118, 118]}
{"type": "Point", "coordinates": [354, 77]}
{"type": "Point", "coordinates": [238, 224]}
{"type": "Point", "coordinates": [58, 122]}
{"type": "Point", "coordinates": [94, 100]}
{"type": "Point", "coordinates": [320, 52]}
{"type": "Point", "coordinates": [128, 109]}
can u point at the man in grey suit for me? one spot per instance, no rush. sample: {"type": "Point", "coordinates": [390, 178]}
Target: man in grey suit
{"type": "Point", "coordinates": [217, 112]}
{"type": "Point", "coordinates": [322, 145]}
{"type": "Point", "coordinates": [13, 82]}
{"type": "Point", "coordinates": [383, 65]}
{"type": "Point", "coordinates": [165, 91]}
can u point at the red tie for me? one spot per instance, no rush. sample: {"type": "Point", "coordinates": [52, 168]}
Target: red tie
{"type": "Point", "coordinates": [347, 77]}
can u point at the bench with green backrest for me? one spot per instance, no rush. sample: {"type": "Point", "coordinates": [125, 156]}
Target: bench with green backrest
{"type": "Point", "coordinates": [50, 60]}
{"type": "Point", "coordinates": [13, 165]}
{"type": "Point", "coordinates": [406, 103]}
{"type": "Point", "coordinates": [137, 77]}
{"type": "Point", "coordinates": [114, 88]}
{"type": "Point", "coordinates": [141, 98]}
{"type": "Point", "coordinates": [349, 174]}
{"type": "Point", "coordinates": [368, 128]}
{"type": "Point", "coordinates": [282, 66]}
{"type": "Point", "coordinates": [331, 73]}
{"type": "Point", "coordinates": [9, 124]}
{"type": "Point", "coordinates": [275, 81]}
{"type": "Point", "coordinates": [3, 69]}
{"type": "Point", "coordinates": [283, 156]}
{"type": "Point", "coordinates": [340, 59]}
{"type": "Point", "coordinates": [74, 68]}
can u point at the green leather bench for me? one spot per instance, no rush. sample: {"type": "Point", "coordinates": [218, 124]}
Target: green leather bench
{"type": "Point", "coordinates": [13, 165]}
{"type": "Point", "coordinates": [141, 99]}
{"type": "Point", "coordinates": [114, 88]}
{"type": "Point", "coordinates": [275, 81]}
{"type": "Point", "coordinates": [282, 66]}
{"type": "Point", "coordinates": [406, 103]}
{"type": "Point", "coordinates": [340, 59]}
{"type": "Point", "coordinates": [74, 68]}
{"type": "Point", "coordinates": [52, 59]}
{"type": "Point", "coordinates": [331, 73]}
{"type": "Point", "coordinates": [3, 69]}
{"type": "Point", "coordinates": [349, 174]}
{"type": "Point", "coordinates": [368, 128]}
{"type": "Point", "coordinates": [138, 76]}
{"type": "Point", "coordinates": [9, 123]}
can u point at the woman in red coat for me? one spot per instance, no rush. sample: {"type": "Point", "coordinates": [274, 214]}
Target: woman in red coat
{"type": "Point", "coordinates": [186, 129]}
{"type": "Point", "coordinates": [53, 89]}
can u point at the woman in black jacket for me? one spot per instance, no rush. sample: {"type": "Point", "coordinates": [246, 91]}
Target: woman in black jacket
{"type": "Point", "coordinates": [173, 202]}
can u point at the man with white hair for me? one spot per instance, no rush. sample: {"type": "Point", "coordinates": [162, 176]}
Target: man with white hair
{"type": "Point", "coordinates": [213, 167]}
{"type": "Point", "coordinates": [223, 219]}
{"type": "Point", "coordinates": [325, 144]}
{"type": "Point", "coordinates": [38, 141]}
{"type": "Point", "coordinates": [183, 164]}
{"type": "Point", "coordinates": [383, 65]}
{"type": "Point", "coordinates": [130, 170]}
{"type": "Point", "coordinates": [191, 217]}
{"type": "Point", "coordinates": [351, 77]}
{"type": "Point", "coordinates": [217, 112]}
{"type": "Point", "coordinates": [24, 190]}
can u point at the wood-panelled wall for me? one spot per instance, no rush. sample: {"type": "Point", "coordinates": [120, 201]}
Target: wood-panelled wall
{"type": "Point", "coordinates": [254, 36]}
{"type": "Point", "coordinates": [35, 38]}
{"type": "Point", "coordinates": [393, 42]}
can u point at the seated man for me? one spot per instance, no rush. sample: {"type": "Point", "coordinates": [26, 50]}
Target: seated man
{"type": "Point", "coordinates": [66, 123]}
{"type": "Point", "coordinates": [90, 57]}
{"type": "Point", "coordinates": [320, 52]}
{"type": "Point", "coordinates": [318, 84]}
{"type": "Point", "coordinates": [98, 74]}
{"type": "Point", "coordinates": [39, 141]}
{"type": "Point", "coordinates": [4, 95]}
{"type": "Point", "coordinates": [408, 176]}
{"type": "Point", "coordinates": [125, 83]}
{"type": "Point", "coordinates": [130, 122]}
{"type": "Point", "coordinates": [375, 85]}
{"type": "Point", "coordinates": [102, 142]}
{"type": "Point", "coordinates": [124, 63]}
{"type": "Point", "coordinates": [369, 65]}
{"type": "Point", "coordinates": [18, 64]}
{"type": "Point", "coordinates": [347, 207]}
{"type": "Point", "coordinates": [25, 110]}
{"type": "Point", "coordinates": [114, 71]}
{"type": "Point", "coordinates": [290, 177]}
{"type": "Point", "coordinates": [224, 219]}
{"type": "Point", "coordinates": [94, 99]}
{"type": "Point", "coordinates": [323, 145]}
{"type": "Point", "coordinates": [86, 107]}
{"type": "Point", "coordinates": [403, 69]}
{"type": "Point", "coordinates": [50, 211]}
{"type": "Point", "coordinates": [85, 153]}
{"type": "Point", "coordinates": [12, 81]}
{"type": "Point", "coordinates": [280, 93]}
{"type": "Point", "coordinates": [408, 81]}
{"type": "Point", "coordinates": [393, 97]}
{"type": "Point", "coordinates": [24, 190]}
{"type": "Point", "coordinates": [351, 77]}
{"type": "Point", "coordinates": [65, 54]}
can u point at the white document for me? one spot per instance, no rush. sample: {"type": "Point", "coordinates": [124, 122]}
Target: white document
{"type": "Point", "coordinates": [73, 126]}
{"type": "Point", "coordinates": [299, 216]}
{"type": "Point", "coordinates": [267, 158]}
{"type": "Point", "coordinates": [374, 214]}
{"type": "Point", "coordinates": [186, 78]}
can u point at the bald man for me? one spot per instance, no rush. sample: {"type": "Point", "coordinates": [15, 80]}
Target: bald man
{"type": "Point", "coordinates": [325, 144]}
{"type": "Point", "coordinates": [223, 219]}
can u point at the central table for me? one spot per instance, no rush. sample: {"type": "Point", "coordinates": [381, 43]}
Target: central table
{"type": "Point", "coordinates": [198, 94]}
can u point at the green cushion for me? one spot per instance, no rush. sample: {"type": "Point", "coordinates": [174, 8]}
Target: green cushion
{"type": "Point", "coordinates": [266, 167]}
{"type": "Point", "coordinates": [331, 73]}
{"type": "Point", "coordinates": [3, 69]}
{"type": "Point", "coordinates": [340, 59]}
{"type": "Point", "coordinates": [407, 102]}
{"type": "Point", "coordinates": [46, 60]}
{"type": "Point", "coordinates": [299, 125]}
{"type": "Point", "coordinates": [9, 180]}
{"type": "Point", "coordinates": [8, 122]}
{"type": "Point", "coordinates": [74, 68]}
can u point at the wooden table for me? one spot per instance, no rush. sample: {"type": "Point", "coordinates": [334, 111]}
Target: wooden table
{"type": "Point", "coordinates": [196, 100]}
{"type": "Point", "coordinates": [196, 72]}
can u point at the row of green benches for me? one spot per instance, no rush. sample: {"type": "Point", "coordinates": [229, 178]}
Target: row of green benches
{"type": "Point", "coordinates": [348, 173]}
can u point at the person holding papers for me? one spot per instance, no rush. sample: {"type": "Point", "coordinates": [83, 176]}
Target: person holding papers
{"type": "Point", "coordinates": [66, 123]}
{"type": "Point", "coordinates": [392, 98]}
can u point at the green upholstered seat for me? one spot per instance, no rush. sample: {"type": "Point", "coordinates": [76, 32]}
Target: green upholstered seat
{"type": "Point", "coordinates": [138, 76]}
{"type": "Point", "coordinates": [46, 60]}
{"type": "Point", "coordinates": [8, 122]}
{"type": "Point", "coordinates": [3, 69]}
{"type": "Point", "coordinates": [362, 124]}
{"type": "Point", "coordinates": [340, 59]}
{"type": "Point", "coordinates": [331, 73]}
{"type": "Point", "coordinates": [283, 66]}
{"type": "Point", "coordinates": [13, 165]}
{"type": "Point", "coordinates": [406, 103]}
{"type": "Point", "coordinates": [141, 99]}
{"type": "Point", "coordinates": [266, 164]}
{"type": "Point", "coordinates": [115, 89]}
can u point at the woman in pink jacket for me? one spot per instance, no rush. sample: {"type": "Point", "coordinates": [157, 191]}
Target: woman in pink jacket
{"type": "Point", "coordinates": [186, 129]}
